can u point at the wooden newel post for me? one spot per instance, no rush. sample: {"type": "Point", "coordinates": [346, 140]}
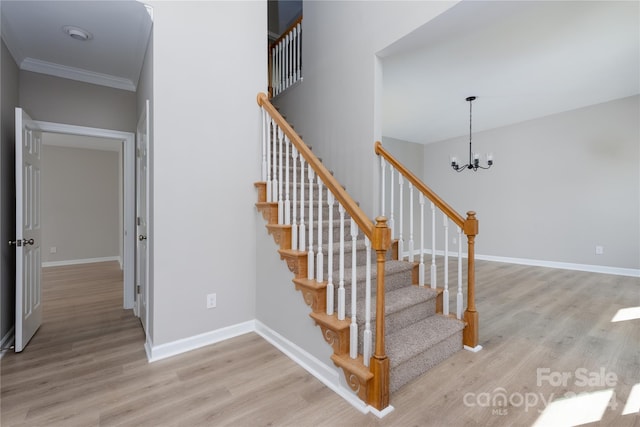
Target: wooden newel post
{"type": "Point", "coordinates": [470, 334]}
{"type": "Point", "coordinates": [379, 363]}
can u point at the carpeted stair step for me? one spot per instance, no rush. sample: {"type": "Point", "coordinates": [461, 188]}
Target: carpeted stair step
{"type": "Point", "coordinates": [404, 306]}
{"type": "Point", "coordinates": [398, 274]}
{"type": "Point", "coordinates": [416, 348]}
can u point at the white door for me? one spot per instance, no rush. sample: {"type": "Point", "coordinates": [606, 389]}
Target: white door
{"type": "Point", "coordinates": [28, 230]}
{"type": "Point", "coordinates": [142, 216]}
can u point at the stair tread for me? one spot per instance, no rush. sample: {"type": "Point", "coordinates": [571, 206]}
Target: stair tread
{"type": "Point", "coordinates": [395, 300]}
{"type": "Point", "coordinates": [330, 320]}
{"type": "Point", "coordinates": [356, 366]}
{"type": "Point", "coordinates": [417, 338]}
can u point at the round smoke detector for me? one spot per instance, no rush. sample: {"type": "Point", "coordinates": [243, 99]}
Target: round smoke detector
{"type": "Point", "coordinates": [77, 33]}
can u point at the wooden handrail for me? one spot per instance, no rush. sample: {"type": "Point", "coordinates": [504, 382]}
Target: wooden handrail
{"type": "Point", "coordinates": [287, 31]}
{"type": "Point", "coordinates": [431, 195]}
{"type": "Point", "coordinates": [364, 223]}
{"type": "Point", "coordinates": [380, 236]}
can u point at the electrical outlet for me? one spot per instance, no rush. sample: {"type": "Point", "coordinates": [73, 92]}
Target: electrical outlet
{"type": "Point", "coordinates": [53, 250]}
{"type": "Point", "coordinates": [211, 301]}
{"type": "Point", "coordinates": [599, 250]}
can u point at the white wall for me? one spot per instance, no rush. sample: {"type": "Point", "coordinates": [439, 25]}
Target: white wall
{"type": "Point", "coordinates": [53, 99]}
{"type": "Point", "coordinates": [209, 63]}
{"type": "Point", "coordinates": [9, 78]}
{"type": "Point", "coordinates": [80, 203]}
{"type": "Point", "coordinates": [560, 185]}
{"type": "Point", "coordinates": [336, 108]}
{"type": "Point", "coordinates": [411, 155]}
{"type": "Point", "coordinates": [279, 306]}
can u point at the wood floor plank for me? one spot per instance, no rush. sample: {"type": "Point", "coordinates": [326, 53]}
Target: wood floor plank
{"type": "Point", "coordinates": [87, 366]}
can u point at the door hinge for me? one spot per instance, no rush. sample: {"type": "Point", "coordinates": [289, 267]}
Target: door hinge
{"type": "Point", "coordinates": [138, 289]}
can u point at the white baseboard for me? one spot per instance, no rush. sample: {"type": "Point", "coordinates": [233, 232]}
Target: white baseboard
{"type": "Point", "coordinates": [631, 272]}
{"type": "Point", "coordinates": [80, 261]}
{"type": "Point", "coordinates": [7, 341]}
{"type": "Point", "coordinates": [603, 269]}
{"type": "Point", "coordinates": [329, 377]}
{"type": "Point", "coordinates": [162, 351]}
{"type": "Point", "coordinates": [326, 375]}
{"type": "Point", "coordinates": [148, 346]}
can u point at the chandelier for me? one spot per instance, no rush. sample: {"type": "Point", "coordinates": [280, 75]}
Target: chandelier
{"type": "Point", "coordinates": [474, 158]}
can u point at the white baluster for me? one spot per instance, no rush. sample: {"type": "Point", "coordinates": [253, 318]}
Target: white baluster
{"type": "Point", "coordinates": [269, 161]}
{"type": "Point", "coordinates": [353, 328]}
{"type": "Point", "coordinates": [287, 61]}
{"type": "Point", "coordinates": [368, 339]}
{"type": "Point", "coordinates": [330, 290]}
{"type": "Point", "coordinates": [421, 266]}
{"type": "Point", "coordinates": [291, 57]}
{"type": "Point", "coordinates": [459, 295]}
{"type": "Point", "coordinates": [341, 293]}
{"type": "Point", "coordinates": [401, 217]}
{"type": "Point", "coordinates": [290, 51]}
{"type": "Point", "coordinates": [433, 246]}
{"type": "Point", "coordinates": [311, 260]}
{"type": "Point", "coordinates": [302, 229]}
{"type": "Point", "coordinates": [294, 43]}
{"type": "Point", "coordinates": [392, 221]}
{"type": "Point", "coordinates": [287, 201]}
{"type": "Point", "coordinates": [274, 159]}
{"type": "Point", "coordinates": [320, 255]}
{"type": "Point", "coordinates": [280, 179]}
{"type": "Point", "coordinates": [445, 294]}
{"type": "Point", "coordinates": [383, 165]}
{"type": "Point", "coordinates": [273, 70]}
{"type": "Point", "coordinates": [280, 68]}
{"type": "Point", "coordinates": [276, 71]}
{"type": "Point", "coordinates": [264, 145]}
{"type": "Point", "coordinates": [411, 254]}
{"type": "Point", "coordinates": [299, 64]}
{"type": "Point", "coordinates": [294, 214]}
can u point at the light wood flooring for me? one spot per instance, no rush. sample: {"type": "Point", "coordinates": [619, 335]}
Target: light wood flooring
{"type": "Point", "coordinates": [86, 366]}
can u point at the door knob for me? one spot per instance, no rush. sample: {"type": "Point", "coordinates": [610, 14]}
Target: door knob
{"type": "Point", "coordinates": [21, 242]}
{"type": "Point", "coordinates": [142, 237]}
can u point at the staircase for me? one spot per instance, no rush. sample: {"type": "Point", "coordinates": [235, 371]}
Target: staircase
{"type": "Point", "coordinates": [385, 326]}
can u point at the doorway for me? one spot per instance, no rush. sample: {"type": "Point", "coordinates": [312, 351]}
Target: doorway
{"type": "Point", "coordinates": [127, 232]}
{"type": "Point", "coordinates": [82, 200]}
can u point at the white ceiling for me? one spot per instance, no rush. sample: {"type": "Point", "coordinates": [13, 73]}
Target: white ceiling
{"type": "Point", "coordinates": [522, 59]}
{"type": "Point", "coordinates": [121, 28]}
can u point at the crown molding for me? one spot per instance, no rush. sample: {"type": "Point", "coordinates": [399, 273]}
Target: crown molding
{"type": "Point", "coordinates": [78, 74]}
